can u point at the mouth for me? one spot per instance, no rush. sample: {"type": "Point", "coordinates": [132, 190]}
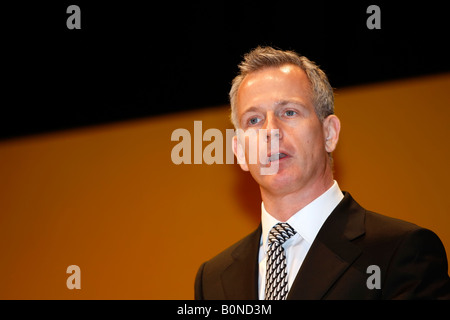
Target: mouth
{"type": "Point", "coordinates": [277, 156]}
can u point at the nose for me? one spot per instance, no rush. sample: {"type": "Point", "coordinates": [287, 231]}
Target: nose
{"type": "Point", "coordinates": [273, 127]}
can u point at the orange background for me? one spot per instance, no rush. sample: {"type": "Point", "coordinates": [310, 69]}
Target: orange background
{"type": "Point", "coordinates": [109, 199]}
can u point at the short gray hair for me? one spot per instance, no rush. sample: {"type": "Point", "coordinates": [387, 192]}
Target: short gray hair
{"type": "Point", "coordinates": [265, 57]}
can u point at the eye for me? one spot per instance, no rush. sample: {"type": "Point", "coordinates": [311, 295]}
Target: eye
{"type": "Point", "coordinates": [290, 113]}
{"type": "Point", "coordinates": [253, 121]}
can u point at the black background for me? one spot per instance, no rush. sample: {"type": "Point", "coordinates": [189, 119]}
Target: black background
{"type": "Point", "coordinates": [135, 59]}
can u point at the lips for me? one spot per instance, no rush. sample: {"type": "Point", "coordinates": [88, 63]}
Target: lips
{"type": "Point", "coordinates": [277, 156]}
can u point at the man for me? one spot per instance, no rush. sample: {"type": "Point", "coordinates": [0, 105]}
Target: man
{"type": "Point", "coordinates": [314, 241]}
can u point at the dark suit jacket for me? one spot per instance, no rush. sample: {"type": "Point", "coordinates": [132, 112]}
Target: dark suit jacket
{"type": "Point", "coordinates": [411, 260]}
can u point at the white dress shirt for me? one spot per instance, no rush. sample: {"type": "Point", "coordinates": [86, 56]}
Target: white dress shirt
{"type": "Point", "coordinates": [307, 222]}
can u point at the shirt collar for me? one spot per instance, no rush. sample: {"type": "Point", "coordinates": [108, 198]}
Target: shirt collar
{"type": "Point", "coordinates": [308, 221]}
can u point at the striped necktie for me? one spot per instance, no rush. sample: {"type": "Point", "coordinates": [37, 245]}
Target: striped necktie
{"type": "Point", "coordinates": [276, 274]}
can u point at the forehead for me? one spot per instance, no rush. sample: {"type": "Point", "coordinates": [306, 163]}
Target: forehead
{"type": "Point", "coordinates": [286, 82]}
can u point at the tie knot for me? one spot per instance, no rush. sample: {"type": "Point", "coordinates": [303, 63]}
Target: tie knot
{"type": "Point", "coordinates": [280, 233]}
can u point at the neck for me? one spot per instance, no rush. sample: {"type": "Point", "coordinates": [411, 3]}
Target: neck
{"type": "Point", "coordinates": [284, 206]}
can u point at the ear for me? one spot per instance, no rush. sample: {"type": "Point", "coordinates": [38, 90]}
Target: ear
{"type": "Point", "coordinates": [239, 152]}
{"type": "Point", "coordinates": [331, 130]}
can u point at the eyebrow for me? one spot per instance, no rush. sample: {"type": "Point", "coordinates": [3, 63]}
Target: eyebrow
{"type": "Point", "coordinates": [282, 103]}
{"type": "Point", "coordinates": [279, 103]}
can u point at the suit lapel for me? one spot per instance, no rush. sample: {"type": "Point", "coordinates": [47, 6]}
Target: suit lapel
{"type": "Point", "coordinates": [240, 278]}
{"type": "Point", "coordinates": [331, 253]}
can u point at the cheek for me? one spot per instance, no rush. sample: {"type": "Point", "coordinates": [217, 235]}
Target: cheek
{"type": "Point", "coordinates": [310, 142]}
{"type": "Point", "coordinates": [257, 146]}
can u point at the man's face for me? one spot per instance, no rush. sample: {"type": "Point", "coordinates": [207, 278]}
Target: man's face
{"type": "Point", "coordinates": [280, 98]}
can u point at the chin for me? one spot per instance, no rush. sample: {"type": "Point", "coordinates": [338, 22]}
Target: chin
{"type": "Point", "coordinates": [282, 181]}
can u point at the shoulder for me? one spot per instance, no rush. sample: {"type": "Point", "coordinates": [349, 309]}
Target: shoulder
{"type": "Point", "coordinates": [399, 233]}
{"type": "Point", "coordinates": [241, 247]}
{"type": "Point", "coordinates": [354, 220]}
{"type": "Point", "coordinates": [209, 282]}
{"type": "Point", "coordinates": [412, 259]}
{"type": "Point", "coordinates": [390, 235]}
{"type": "Point", "coordinates": [387, 226]}
{"type": "Point", "coordinates": [420, 260]}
